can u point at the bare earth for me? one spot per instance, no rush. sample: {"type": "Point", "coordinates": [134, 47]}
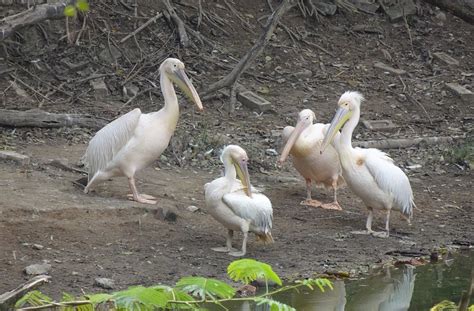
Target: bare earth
{"type": "Point", "coordinates": [105, 235]}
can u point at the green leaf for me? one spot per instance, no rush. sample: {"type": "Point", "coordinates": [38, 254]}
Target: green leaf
{"type": "Point", "coordinates": [140, 298]}
{"type": "Point", "coordinates": [98, 298]}
{"type": "Point", "coordinates": [204, 287]}
{"type": "Point", "coordinates": [274, 305]}
{"type": "Point", "coordinates": [67, 297]}
{"type": "Point", "coordinates": [445, 305]}
{"type": "Point", "coordinates": [248, 270]}
{"type": "Point", "coordinates": [70, 11]}
{"type": "Point", "coordinates": [82, 5]}
{"type": "Point", "coordinates": [320, 283]}
{"type": "Point", "coordinates": [33, 298]}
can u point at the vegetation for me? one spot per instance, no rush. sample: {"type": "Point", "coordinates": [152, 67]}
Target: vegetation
{"type": "Point", "coordinates": [190, 293]}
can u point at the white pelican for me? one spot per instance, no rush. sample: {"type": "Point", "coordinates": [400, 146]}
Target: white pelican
{"type": "Point", "coordinates": [304, 144]}
{"type": "Point", "coordinates": [370, 173]}
{"type": "Point", "coordinates": [134, 140]}
{"type": "Point", "coordinates": [235, 204]}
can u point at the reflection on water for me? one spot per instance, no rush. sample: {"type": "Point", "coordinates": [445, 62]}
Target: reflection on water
{"type": "Point", "coordinates": [397, 289]}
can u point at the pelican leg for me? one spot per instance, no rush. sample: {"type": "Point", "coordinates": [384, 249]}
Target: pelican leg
{"type": "Point", "coordinates": [385, 234]}
{"type": "Point", "coordinates": [368, 224]}
{"type": "Point", "coordinates": [334, 205]}
{"type": "Point", "coordinates": [309, 201]}
{"type": "Point", "coordinates": [228, 243]}
{"type": "Point", "coordinates": [245, 230]}
{"type": "Point", "coordinates": [136, 196]}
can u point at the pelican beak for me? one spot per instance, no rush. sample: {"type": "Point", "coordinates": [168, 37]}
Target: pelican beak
{"type": "Point", "coordinates": [183, 82]}
{"type": "Point", "coordinates": [243, 173]}
{"type": "Point", "coordinates": [341, 117]}
{"type": "Point", "coordinates": [300, 126]}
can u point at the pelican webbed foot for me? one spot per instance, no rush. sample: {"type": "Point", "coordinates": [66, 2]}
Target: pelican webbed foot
{"type": "Point", "coordinates": [224, 249]}
{"type": "Point", "coordinates": [362, 232]}
{"type": "Point", "coordinates": [381, 234]}
{"type": "Point", "coordinates": [311, 202]}
{"type": "Point", "coordinates": [237, 253]}
{"type": "Point", "coordinates": [142, 198]}
{"type": "Point", "coordinates": [333, 206]}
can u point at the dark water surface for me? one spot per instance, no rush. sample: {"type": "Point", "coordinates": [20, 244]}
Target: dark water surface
{"type": "Point", "coordinates": [397, 289]}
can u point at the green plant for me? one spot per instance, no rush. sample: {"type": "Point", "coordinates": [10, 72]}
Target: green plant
{"type": "Point", "coordinates": [189, 292]}
{"type": "Point", "coordinates": [70, 11]}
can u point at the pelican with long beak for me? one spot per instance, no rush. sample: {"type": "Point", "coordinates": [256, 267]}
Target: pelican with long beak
{"type": "Point", "coordinates": [370, 173]}
{"type": "Point", "coordinates": [303, 142]}
{"type": "Point", "coordinates": [236, 204]}
{"type": "Point", "coordinates": [134, 140]}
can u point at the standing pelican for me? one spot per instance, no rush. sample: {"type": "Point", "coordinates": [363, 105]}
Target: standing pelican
{"type": "Point", "coordinates": [134, 140]}
{"type": "Point", "coordinates": [370, 173]}
{"type": "Point", "coordinates": [304, 144]}
{"type": "Point", "coordinates": [235, 204]}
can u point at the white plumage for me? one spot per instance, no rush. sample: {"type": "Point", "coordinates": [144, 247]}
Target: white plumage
{"type": "Point", "coordinates": [237, 205]}
{"type": "Point", "coordinates": [134, 140]}
{"type": "Point", "coordinates": [370, 173]}
{"type": "Point", "coordinates": [303, 142]}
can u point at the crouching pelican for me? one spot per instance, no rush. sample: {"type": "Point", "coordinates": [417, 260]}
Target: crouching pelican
{"type": "Point", "coordinates": [370, 173]}
{"type": "Point", "coordinates": [235, 204]}
{"type": "Point", "coordinates": [134, 140]}
{"type": "Point", "coordinates": [304, 144]}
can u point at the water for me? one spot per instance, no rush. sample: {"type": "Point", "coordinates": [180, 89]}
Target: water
{"type": "Point", "coordinates": [396, 289]}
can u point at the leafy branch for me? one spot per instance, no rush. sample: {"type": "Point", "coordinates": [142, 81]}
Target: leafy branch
{"type": "Point", "coordinates": [189, 292]}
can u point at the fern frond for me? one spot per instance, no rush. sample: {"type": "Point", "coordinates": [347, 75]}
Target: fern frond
{"type": "Point", "coordinates": [319, 282]}
{"type": "Point", "coordinates": [33, 298]}
{"type": "Point", "coordinates": [248, 270]}
{"type": "Point", "coordinates": [273, 304]}
{"type": "Point", "coordinates": [98, 298]}
{"type": "Point", "coordinates": [204, 287]}
{"type": "Point", "coordinates": [140, 298]}
{"type": "Point", "coordinates": [445, 305]}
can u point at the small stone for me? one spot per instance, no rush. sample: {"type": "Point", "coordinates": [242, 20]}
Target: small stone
{"type": "Point", "coordinates": [379, 125]}
{"type": "Point", "coordinates": [414, 166]}
{"type": "Point", "coordinates": [387, 68]}
{"type": "Point", "coordinates": [14, 156]}
{"type": "Point", "coordinates": [104, 283]}
{"type": "Point", "coordinates": [253, 101]}
{"type": "Point", "coordinates": [164, 213]}
{"type": "Point", "coordinates": [398, 9]}
{"type": "Point", "coordinates": [441, 17]}
{"type": "Point", "coordinates": [130, 90]}
{"type": "Point", "coordinates": [74, 273]}
{"type": "Point", "coordinates": [38, 246]}
{"type": "Point", "coordinates": [305, 73]}
{"type": "Point", "coordinates": [38, 269]}
{"type": "Point", "coordinates": [192, 208]}
{"type": "Point", "coordinates": [271, 152]}
{"type": "Point", "coordinates": [445, 58]}
{"type": "Point", "coordinates": [110, 56]}
{"type": "Point", "coordinates": [100, 88]}
{"type": "Point", "coordinates": [461, 91]}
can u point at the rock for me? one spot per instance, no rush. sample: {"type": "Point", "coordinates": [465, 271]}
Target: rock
{"type": "Point", "coordinates": [414, 166]}
{"type": "Point", "coordinates": [73, 66]}
{"type": "Point", "coordinates": [305, 73]}
{"type": "Point", "coordinates": [387, 68]}
{"type": "Point", "coordinates": [38, 246]}
{"type": "Point", "coordinates": [271, 152]}
{"type": "Point", "coordinates": [325, 7]}
{"type": "Point", "coordinates": [367, 6]}
{"type": "Point", "coordinates": [379, 125]}
{"type": "Point", "coordinates": [445, 58]}
{"type": "Point", "coordinates": [38, 269]}
{"type": "Point", "coordinates": [14, 156]}
{"type": "Point", "coordinates": [110, 56]}
{"type": "Point", "coordinates": [440, 17]}
{"type": "Point", "coordinates": [461, 91]}
{"type": "Point", "coordinates": [253, 101]}
{"type": "Point", "coordinates": [130, 90]}
{"type": "Point", "coordinates": [165, 213]}
{"type": "Point", "coordinates": [100, 88]}
{"type": "Point", "coordinates": [396, 9]}
{"type": "Point", "coordinates": [104, 283]}
{"type": "Point", "coordinates": [246, 290]}
{"type": "Point", "coordinates": [192, 208]}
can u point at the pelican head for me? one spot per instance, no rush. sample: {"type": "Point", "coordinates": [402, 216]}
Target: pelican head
{"type": "Point", "coordinates": [306, 118]}
{"type": "Point", "coordinates": [238, 158]}
{"type": "Point", "coordinates": [347, 104]}
{"type": "Point", "coordinates": [174, 69]}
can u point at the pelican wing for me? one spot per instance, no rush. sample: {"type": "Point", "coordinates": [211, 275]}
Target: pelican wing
{"type": "Point", "coordinates": [257, 209]}
{"type": "Point", "coordinates": [390, 178]}
{"type": "Point", "coordinates": [109, 140]}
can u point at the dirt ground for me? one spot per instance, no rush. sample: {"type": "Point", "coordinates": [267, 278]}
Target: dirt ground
{"type": "Point", "coordinates": [104, 235]}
